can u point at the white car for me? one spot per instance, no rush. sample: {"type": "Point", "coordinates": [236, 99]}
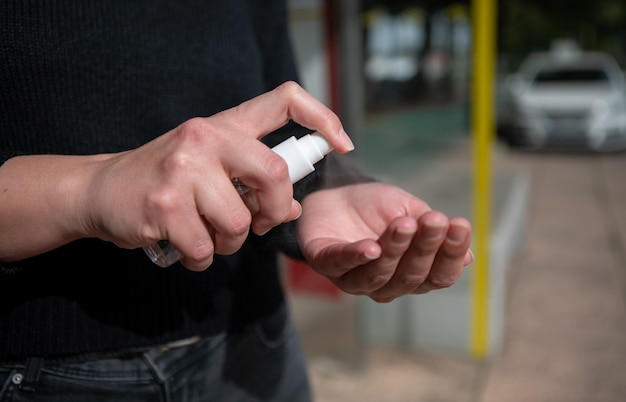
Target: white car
{"type": "Point", "coordinates": [573, 100]}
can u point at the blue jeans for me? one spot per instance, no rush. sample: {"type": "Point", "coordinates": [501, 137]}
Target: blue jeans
{"type": "Point", "coordinates": [262, 363]}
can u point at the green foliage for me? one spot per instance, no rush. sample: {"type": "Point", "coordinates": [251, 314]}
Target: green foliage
{"type": "Point", "coordinates": [531, 25]}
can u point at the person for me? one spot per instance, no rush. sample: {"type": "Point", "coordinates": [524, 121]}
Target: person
{"type": "Point", "coordinates": [124, 123]}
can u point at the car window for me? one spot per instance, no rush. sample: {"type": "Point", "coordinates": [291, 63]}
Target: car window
{"type": "Point", "coordinates": [571, 76]}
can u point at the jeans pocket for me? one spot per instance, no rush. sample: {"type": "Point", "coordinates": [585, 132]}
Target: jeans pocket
{"type": "Point", "coordinates": [267, 361]}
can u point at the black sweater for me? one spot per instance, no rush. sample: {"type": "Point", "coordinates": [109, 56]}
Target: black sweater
{"type": "Point", "coordinates": [96, 76]}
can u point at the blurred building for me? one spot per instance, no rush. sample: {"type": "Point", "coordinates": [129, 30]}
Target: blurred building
{"type": "Point", "coordinates": [415, 52]}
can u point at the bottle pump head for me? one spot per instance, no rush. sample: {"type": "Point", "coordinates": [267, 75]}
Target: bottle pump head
{"type": "Point", "coordinates": [301, 154]}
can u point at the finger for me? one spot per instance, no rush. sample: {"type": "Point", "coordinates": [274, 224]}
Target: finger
{"type": "Point", "coordinates": [334, 257]}
{"type": "Point", "coordinates": [191, 239]}
{"type": "Point", "coordinates": [262, 182]}
{"type": "Point", "coordinates": [469, 258]}
{"type": "Point", "coordinates": [263, 223]}
{"type": "Point", "coordinates": [289, 101]}
{"type": "Point", "coordinates": [194, 243]}
{"type": "Point", "coordinates": [262, 178]}
{"type": "Point", "coordinates": [249, 198]}
{"type": "Point", "coordinates": [415, 264]}
{"type": "Point", "coordinates": [275, 199]}
{"type": "Point", "coordinates": [296, 211]}
{"type": "Point", "coordinates": [375, 274]}
{"type": "Point", "coordinates": [205, 248]}
{"type": "Point", "coordinates": [223, 209]}
{"type": "Point", "coordinates": [451, 257]}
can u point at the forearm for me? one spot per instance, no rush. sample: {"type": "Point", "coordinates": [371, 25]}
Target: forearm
{"type": "Point", "coordinates": [40, 197]}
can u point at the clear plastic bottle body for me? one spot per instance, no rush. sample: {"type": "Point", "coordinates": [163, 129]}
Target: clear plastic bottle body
{"type": "Point", "coordinates": [162, 253]}
{"type": "Point", "coordinates": [300, 155]}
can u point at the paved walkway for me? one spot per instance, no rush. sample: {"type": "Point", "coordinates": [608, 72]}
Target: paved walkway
{"type": "Point", "coordinates": [565, 337]}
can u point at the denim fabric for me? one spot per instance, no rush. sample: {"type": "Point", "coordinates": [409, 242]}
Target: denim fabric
{"type": "Point", "coordinates": [262, 363]}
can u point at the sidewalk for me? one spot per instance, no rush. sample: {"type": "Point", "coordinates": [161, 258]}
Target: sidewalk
{"type": "Point", "coordinates": [565, 336]}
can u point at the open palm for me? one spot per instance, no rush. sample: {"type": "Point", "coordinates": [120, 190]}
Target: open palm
{"type": "Point", "coordinates": [376, 239]}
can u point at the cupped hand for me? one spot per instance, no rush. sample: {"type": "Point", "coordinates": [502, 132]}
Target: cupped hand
{"type": "Point", "coordinates": [179, 186]}
{"type": "Point", "coordinates": [377, 240]}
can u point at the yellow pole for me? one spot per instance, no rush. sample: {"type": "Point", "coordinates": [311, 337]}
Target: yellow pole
{"type": "Point", "coordinates": [484, 12]}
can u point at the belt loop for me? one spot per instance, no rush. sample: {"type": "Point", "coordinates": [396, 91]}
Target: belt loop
{"type": "Point", "coordinates": [31, 374]}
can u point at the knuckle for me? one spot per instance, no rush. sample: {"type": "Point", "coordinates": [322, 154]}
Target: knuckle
{"type": "Point", "coordinates": [177, 165]}
{"type": "Point", "coordinates": [421, 291]}
{"type": "Point", "coordinates": [227, 245]}
{"type": "Point", "coordinates": [375, 281]}
{"type": "Point", "coordinates": [197, 264]}
{"type": "Point", "coordinates": [192, 128]}
{"type": "Point", "coordinates": [197, 133]}
{"type": "Point", "coordinates": [412, 281]}
{"type": "Point", "coordinates": [442, 281]}
{"type": "Point", "coordinates": [239, 223]}
{"type": "Point", "coordinates": [203, 251]}
{"type": "Point", "coordinates": [383, 299]}
{"type": "Point", "coordinates": [147, 232]}
{"type": "Point", "coordinates": [164, 200]}
{"type": "Point", "coordinates": [289, 88]}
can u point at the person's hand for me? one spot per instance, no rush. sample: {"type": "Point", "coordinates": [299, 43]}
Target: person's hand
{"type": "Point", "coordinates": [377, 240]}
{"type": "Point", "coordinates": [179, 186]}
